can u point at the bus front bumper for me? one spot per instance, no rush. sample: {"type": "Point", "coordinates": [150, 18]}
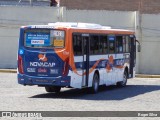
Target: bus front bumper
{"type": "Point", "coordinates": [44, 81]}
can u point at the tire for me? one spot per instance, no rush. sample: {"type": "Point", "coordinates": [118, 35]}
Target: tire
{"type": "Point", "coordinates": [124, 82]}
{"type": "Point", "coordinates": [95, 84]}
{"type": "Point", "coordinates": [55, 89]}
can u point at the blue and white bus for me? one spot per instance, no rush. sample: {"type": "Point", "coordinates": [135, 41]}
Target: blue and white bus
{"type": "Point", "coordinates": [76, 55]}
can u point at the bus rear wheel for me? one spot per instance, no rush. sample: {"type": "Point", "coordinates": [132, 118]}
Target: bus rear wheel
{"type": "Point", "coordinates": [124, 82]}
{"type": "Point", "coordinates": [95, 84]}
{"type": "Point", "coordinates": [55, 89]}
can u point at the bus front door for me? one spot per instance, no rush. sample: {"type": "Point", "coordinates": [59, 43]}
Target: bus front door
{"type": "Point", "coordinates": [132, 57]}
{"type": "Point", "coordinates": [85, 55]}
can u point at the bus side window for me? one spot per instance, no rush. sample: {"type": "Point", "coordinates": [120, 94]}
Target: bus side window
{"type": "Point", "coordinates": [94, 45]}
{"type": "Point", "coordinates": [119, 44]}
{"type": "Point", "coordinates": [127, 44]}
{"type": "Point", "coordinates": [111, 44]}
{"type": "Point", "coordinates": [124, 44]}
{"type": "Point", "coordinates": [77, 45]}
{"type": "Point", "coordinates": [103, 45]}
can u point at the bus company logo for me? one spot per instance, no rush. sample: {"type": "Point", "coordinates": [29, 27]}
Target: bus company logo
{"type": "Point", "coordinates": [37, 42]}
{"type": "Point", "coordinates": [42, 70]}
{"type": "Point", "coordinates": [43, 62]}
{"type": "Point", "coordinates": [42, 57]}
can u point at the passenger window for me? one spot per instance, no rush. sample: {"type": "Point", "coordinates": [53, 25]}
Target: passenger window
{"type": "Point", "coordinates": [77, 44]}
{"type": "Point", "coordinates": [119, 44]}
{"type": "Point", "coordinates": [103, 45]}
{"type": "Point", "coordinates": [94, 45]}
{"type": "Point", "coordinates": [124, 44]}
{"type": "Point", "coordinates": [111, 44]}
{"type": "Point", "coordinates": [127, 44]}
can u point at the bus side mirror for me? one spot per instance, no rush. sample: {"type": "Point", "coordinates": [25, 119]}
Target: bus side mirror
{"type": "Point", "coordinates": [139, 48]}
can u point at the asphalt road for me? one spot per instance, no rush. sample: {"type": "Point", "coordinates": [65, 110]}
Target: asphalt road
{"type": "Point", "coordinates": [140, 94]}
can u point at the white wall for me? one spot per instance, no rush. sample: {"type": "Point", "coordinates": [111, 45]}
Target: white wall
{"type": "Point", "coordinates": [150, 54]}
{"type": "Point", "coordinates": [115, 19]}
{"type": "Point", "coordinates": [27, 14]}
{"type": "Point", "coordinates": [8, 46]}
{"type": "Point", "coordinates": [11, 18]}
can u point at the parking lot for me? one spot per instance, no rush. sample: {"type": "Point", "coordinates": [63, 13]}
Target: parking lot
{"type": "Point", "coordinates": [140, 94]}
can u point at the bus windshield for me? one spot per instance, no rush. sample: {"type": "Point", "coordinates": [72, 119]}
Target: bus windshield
{"type": "Point", "coordinates": [44, 38]}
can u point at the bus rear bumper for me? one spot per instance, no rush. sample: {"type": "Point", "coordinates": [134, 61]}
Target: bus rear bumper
{"type": "Point", "coordinates": [44, 81]}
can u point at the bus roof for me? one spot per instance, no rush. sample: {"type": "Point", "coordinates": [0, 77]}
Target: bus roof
{"type": "Point", "coordinates": [79, 25]}
{"type": "Point", "coordinates": [75, 25]}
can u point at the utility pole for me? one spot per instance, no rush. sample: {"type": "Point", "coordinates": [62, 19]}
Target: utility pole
{"type": "Point", "coordinates": [30, 1]}
{"type": "Point", "coordinates": [140, 18]}
{"type": "Point", "coordinates": [140, 32]}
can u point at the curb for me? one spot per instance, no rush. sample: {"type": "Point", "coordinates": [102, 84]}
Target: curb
{"type": "Point", "coordinates": [147, 76]}
{"type": "Point", "coordinates": [8, 70]}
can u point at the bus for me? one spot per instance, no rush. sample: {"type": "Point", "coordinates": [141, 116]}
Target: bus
{"type": "Point", "coordinates": [75, 55]}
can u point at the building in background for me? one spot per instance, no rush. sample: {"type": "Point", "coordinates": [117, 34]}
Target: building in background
{"type": "Point", "coordinates": [145, 6]}
{"type": "Point", "coordinates": [147, 26]}
{"type": "Point", "coordinates": [114, 13]}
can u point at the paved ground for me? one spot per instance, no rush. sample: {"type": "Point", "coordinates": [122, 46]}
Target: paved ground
{"type": "Point", "coordinates": [141, 94]}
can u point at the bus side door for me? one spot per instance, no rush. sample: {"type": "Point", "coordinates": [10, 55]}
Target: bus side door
{"type": "Point", "coordinates": [81, 59]}
{"type": "Point", "coordinates": [132, 56]}
{"type": "Point", "coordinates": [85, 54]}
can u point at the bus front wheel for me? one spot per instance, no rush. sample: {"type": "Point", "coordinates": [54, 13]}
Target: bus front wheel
{"type": "Point", "coordinates": [55, 89]}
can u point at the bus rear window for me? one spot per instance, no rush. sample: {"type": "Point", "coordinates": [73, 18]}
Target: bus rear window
{"type": "Point", "coordinates": [42, 38]}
